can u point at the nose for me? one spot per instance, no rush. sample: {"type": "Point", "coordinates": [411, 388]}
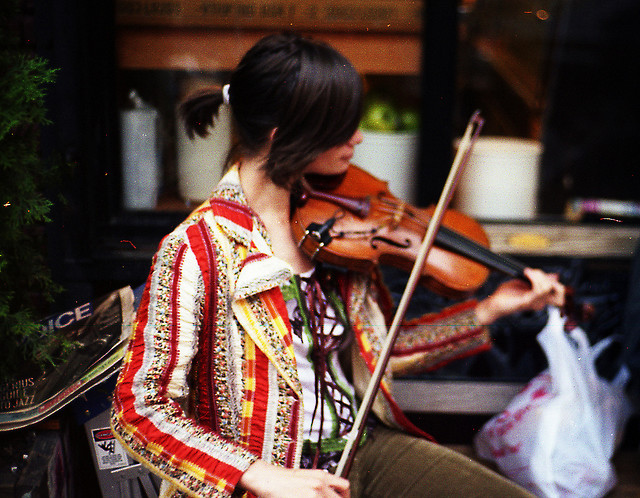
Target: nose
{"type": "Point", "coordinates": [356, 138]}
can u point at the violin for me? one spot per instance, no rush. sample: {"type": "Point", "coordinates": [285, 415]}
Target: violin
{"type": "Point", "coordinates": [374, 227]}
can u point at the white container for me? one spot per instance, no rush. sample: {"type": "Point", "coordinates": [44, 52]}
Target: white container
{"type": "Point", "coordinates": [201, 160]}
{"type": "Point", "coordinates": [140, 149]}
{"type": "Point", "coordinates": [391, 157]}
{"type": "Point", "coordinates": [500, 181]}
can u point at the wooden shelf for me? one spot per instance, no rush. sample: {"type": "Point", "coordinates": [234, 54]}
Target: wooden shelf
{"type": "Point", "coordinates": [453, 396]}
{"type": "Point", "coordinates": [204, 49]}
{"type": "Point", "coordinates": [563, 240]}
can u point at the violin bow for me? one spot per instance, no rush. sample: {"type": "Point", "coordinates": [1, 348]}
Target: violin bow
{"type": "Point", "coordinates": [355, 435]}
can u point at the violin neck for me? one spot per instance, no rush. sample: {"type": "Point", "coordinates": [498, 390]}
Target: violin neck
{"type": "Point", "coordinates": [457, 243]}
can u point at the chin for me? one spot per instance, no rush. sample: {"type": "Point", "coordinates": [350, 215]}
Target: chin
{"type": "Point", "coordinates": [342, 169]}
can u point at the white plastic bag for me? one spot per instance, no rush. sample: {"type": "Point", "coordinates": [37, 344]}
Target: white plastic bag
{"type": "Point", "coordinates": [557, 436]}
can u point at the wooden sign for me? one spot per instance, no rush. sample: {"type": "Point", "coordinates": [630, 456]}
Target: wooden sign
{"type": "Point", "coordinates": [391, 16]}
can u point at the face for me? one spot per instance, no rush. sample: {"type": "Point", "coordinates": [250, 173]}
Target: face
{"type": "Point", "coordinates": [335, 160]}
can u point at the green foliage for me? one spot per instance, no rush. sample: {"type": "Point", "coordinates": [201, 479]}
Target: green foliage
{"type": "Point", "coordinates": [25, 280]}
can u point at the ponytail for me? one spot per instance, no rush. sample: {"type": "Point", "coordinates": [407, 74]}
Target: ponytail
{"type": "Point", "coordinates": [305, 90]}
{"type": "Point", "coordinates": [199, 110]}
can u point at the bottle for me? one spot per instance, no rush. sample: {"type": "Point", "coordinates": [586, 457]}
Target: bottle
{"type": "Point", "coordinates": [140, 153]}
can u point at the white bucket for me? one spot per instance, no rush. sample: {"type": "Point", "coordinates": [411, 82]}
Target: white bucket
{"type": "Point", "coordinates": [500, 181]}
{"type": "Point", "coordinates": [391, 157]}
{"type": "Point", "coordinates": [201, 160]}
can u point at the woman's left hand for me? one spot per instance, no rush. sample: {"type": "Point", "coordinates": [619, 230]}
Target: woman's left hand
{"type": "Point", "coordinates": [517, 295]}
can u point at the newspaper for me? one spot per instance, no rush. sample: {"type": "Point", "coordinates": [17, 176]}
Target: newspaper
{"type": "Point", "coordinates": [99, 331]}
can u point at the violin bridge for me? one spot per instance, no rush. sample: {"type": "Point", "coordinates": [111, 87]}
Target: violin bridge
{"type": "Point", "coordinates": [398, 214]}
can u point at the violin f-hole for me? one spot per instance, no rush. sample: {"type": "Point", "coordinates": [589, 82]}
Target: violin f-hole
{"type": "Point", "coordinates": [391, 242]}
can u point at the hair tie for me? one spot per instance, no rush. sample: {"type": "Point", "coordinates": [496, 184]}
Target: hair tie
{"type": "Point", "coordinates": [225, 94]}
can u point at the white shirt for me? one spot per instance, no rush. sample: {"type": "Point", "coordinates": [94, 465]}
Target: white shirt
{"type": "Point", "coordinates": [302, 348]}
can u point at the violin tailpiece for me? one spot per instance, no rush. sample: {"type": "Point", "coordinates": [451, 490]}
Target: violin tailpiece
{"type": "Point", "coordinates": [320, 233]}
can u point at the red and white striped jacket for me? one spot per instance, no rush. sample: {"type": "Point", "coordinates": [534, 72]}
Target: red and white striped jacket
{"type": "Point", "coordinates": [209, 382]}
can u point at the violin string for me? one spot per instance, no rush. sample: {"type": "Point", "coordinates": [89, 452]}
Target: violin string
{"type": "Point", "coordinates": [453, 240]}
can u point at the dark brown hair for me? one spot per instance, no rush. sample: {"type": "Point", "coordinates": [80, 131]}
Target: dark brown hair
{"type": "Point", "coordinates": [304, 89]}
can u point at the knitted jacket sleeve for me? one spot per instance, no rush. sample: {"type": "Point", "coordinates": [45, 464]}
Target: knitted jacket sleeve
{"type": "Point", "coordinates": [434, 339]}
{"type": "Point", "coordinates": [148, 414]}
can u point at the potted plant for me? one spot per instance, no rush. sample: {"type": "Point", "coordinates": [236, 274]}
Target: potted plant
{"type": "Point", "coordinates": [26, 285]}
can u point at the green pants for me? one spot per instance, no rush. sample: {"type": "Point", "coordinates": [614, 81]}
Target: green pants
{"type": "Point", "coordinates": [393, 464]}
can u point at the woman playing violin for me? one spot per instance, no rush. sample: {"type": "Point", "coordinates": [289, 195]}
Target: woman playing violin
{"type": "Point", "coordinates": [247, 357]}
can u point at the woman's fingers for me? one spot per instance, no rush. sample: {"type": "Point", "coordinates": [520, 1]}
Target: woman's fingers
{"type": "Point", "coordinates": [517, 295]}
{"type": "Point", "coordinates": [545, 288]}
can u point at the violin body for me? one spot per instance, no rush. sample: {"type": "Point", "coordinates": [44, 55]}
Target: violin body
{"type": "Point", "coordinates": [359, 223]}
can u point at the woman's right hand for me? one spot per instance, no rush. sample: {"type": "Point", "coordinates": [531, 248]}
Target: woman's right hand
{"type": "Point", "coordinates": [269, 481]}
